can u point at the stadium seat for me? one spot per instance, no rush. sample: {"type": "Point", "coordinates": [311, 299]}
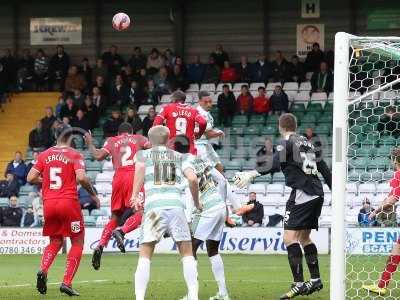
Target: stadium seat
{"type": "Point", "coordinates": [158, 108]}
{"type": "Point", "coordinates": [383, 151]}
{"type": "Point", "coordinates": [233, 165]}
{"type": "Point", "coordinates": [278, 177]}
{"type": "Point", "coordinates": [290, 86]}
{"type": "Point", "coordinates": [271, 86]}
{"type": "Point", "coordinates": [255, 85]}
{"type": "Point", "coordinates": [89, 220]}
{"type": "Point", "coordinates": [249, 164]}
{"type": "Point", "coordinates": [235, 130]}
{"type": "Point", "coordinates": [251, 130]}
{"type": "Point", "coordinates": [387, 141]}
{"type": "Point", "coordinates": [85, 212]}
{"type": "Point", "coordinates": [367, 188]}
{"type": "Point", "coordinates": [104, 177]}
{"type": "Point", "coordinates": [319, 97]}
{"type": "Point", "coordinates": [383, 188]}
{"type": "Point", "coordinates": [104, 188]}
{"type": "Point", "coordinates": [305, 86]}
{"type": "Point", "coordinates": [257, 120]}
{"type": "Point", "coordinates": [107, 166]}
{"type": "Point", "coordinates": [208, 87]}
{"type": "Point", "coordinates": [257, 188]}
{"type": "Point", "coordinates": [323, 129]}
{"type": "Point", "coordinates": [26, 189]}
{"type": "Point", "coordinates": [309, 75]}
{"type": "Point", "coordinates": [220, 86]}
{"type": "Point", "coordinates": [238, 86]}
{"type": "Point", "coordinates": [388, 95]}
{"type": "Point", "coordinates": [98, 213]}
{"type": "Point", "coordinates": [314, 107]}
{"type": "Point", "coordinates": [144, 109]}
{"type": "Point", "coordinates": [239, 153]}
{"type": "Point", "coordinates": [193, 88]}
{"type": "Point", "coordinates": [240, 120]}
{"type": "Point", "coordinates": [272, 120]}
{"type": "Point", "coordinates": [269, 130]}
{"type": "Point", "coordinates": [165, 99]}
{"type": "Point", "coordinates": [93, 166]}
{"type": "Point", "coordinates": [4, 202]}
{"type": "Point", "coordinates": [302, 96]}
{"type": "Point", "coordinates": [330, 96]}
{"type": "Point", "coordinates": [275, 188]}
{"type": "Point", "coordinates": [298, 107]}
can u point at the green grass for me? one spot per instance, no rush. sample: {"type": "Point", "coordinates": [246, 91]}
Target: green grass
{"type": "Point", "coordinates": [250, 277]}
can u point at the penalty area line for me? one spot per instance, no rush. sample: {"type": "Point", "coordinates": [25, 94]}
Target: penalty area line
{"type": "Point", "coordinates": [54, 283]}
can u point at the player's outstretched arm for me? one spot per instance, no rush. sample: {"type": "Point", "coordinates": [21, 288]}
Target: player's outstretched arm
{"type": "Point", "coordinates": [214, 133]}
{"type": "Point", "coordinates": [84, 181]}
{"type": "Point", "coordinates": [98, 154]}
{"type": "Point", "coordinates": [34, 177]}
{"type": "Point", "coordinates": [193, 187]}
{"type": "Point", "coordinates": [386, 204]}
{"type": "Point", "coordinates": [140, 170]}
{"type": "Point", "coordinates": [202, 122]}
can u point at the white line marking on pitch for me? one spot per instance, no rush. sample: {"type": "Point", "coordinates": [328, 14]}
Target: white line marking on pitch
{"type": "Point", "coordinates": [53, 283]}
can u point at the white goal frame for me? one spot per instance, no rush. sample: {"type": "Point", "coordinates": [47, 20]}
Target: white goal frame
{"type": "Point", "coordinates": [339, 157]}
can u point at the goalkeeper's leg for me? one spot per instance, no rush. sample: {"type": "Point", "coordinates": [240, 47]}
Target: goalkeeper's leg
{"type": "Point", "coordinates": [391, 267]}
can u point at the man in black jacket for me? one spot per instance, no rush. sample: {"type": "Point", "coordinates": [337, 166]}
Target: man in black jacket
{"type": "Point", "coordinates": [58, 67]}
{"type": "Point", "coordinates": [254, 217]}
{"type": "Point", "coordinates": [226, 106]}
{"type": "Point", "coordinates": [38, 138]}
{"type": "Point", "coordinates": [322, 81]}
{"type": "Point", "coordinates": [110, 127]}
{"type": "Point", "coordinates": [9, 187]}
{"type": "Point", "coordinates": [12, 215]}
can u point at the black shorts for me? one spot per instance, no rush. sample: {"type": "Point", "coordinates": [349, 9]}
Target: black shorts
{"type": "Point", "coordinates": [302, 216]}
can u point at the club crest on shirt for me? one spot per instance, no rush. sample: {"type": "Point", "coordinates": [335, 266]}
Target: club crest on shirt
{"type": "Point", "coordinates": [279, 148]}
{"type": "Point", "coordinates": [76, 226]}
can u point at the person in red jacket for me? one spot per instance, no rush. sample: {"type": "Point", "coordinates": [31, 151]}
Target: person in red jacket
{"type": "Point", "coordinates": [228, 73]}
{"type": "Point", "coordinates": [244, 101]}
{"type": "Point", "coordinates": [261, 103]}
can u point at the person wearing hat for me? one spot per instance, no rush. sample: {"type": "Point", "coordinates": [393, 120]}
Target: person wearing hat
{"type": "Point", "coordinates": [363, 215]}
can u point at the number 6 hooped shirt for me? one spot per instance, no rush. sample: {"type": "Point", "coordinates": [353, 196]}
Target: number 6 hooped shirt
{"type": "Point", "coordinates": [58, 165]}
{"type": "Point", "coordinates": [163, 181]}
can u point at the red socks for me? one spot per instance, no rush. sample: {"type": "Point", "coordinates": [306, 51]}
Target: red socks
{"type": "Point", "coordinates": [49, 254]}
{"type": "Point", "coordinates": [73, 260]}
{"type": "Point", "coordinates": [132, 222]}
{"type": "Point", "coordinates": [391, 266]}
{"type": "Point", "coordinates": [107, 232]}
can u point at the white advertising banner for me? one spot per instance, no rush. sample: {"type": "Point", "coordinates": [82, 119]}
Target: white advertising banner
{"type": "Point", "coordinates": [370, 241]}
{"type": "Point", "coordinates": [22, 241]}
{"type": "Point", "coordinates": [54, 31]}
{"type": "Point", "coordinates": [307, 35]}
{"type": "Point", "coordinates": [267, 240]}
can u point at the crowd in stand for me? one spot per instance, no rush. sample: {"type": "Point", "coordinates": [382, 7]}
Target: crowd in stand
{"type": "Point", "coordinates": [125, 84]}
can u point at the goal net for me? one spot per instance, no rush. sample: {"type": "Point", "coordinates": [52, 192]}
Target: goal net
{"type": "Point", "coordinates": [366, 126]}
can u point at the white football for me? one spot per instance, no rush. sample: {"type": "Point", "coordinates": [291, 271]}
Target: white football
{"type": "Point", "coordinates": [121, 21]}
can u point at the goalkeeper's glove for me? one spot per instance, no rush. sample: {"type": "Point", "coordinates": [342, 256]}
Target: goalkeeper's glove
{"type": "Point", "coordinates": [243, 179]}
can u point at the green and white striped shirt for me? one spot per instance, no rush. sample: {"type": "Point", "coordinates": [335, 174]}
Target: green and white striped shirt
{"type": "Point", "coordinates": [163, 178]}
{"type": "Point", "coordinates": [209, 196]}
{"type": "Point", "coordinates": [203, 140]}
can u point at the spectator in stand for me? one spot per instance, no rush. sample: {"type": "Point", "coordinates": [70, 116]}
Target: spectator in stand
{"type": "Point", "coordinates": [11, 216]}
{"type": "Point", "coordinates": [262, 70]}
{"type": "Point", "coordinates": [47, 123]}
{"type": "Point", "coordinates": [162, 82]}
{"type": "Point", "coordinates": [226, 106]}
{"type": "Point", "coordinates": [228, 73]}
{"type": "Point", "coordinates": [280, 68]}
{"type": "Point", "coordinates": [141, 78]}
{"type": "Point", "coordinates": [363, 215]}
{"type": "Point", "coordinates": [86, 200]}
{"type": "Point", "coordinates": [243, 69]}
{"type": "Point", "coordinates": [178, 80]}
{"type": "Point", "coordinates": [127, 74]}
{"type": "Point", "coordinates": [37, 206]}
{"type": "Point", "coordinates": [29, 218]}
{"type": "Point", "coordinates": [18, 168]}
{"type": "Point", "coordinates": [245, 101]}
{"type": "Point", "coordinates": [80, 121]}
{"type": "Point", "coordinates": [86, 71]}
{"type": "Point", "coordinates": [29, 166]}
{"type": "Point", "coordinates": [264, 157]}
{"type": "Point", "coordinates": [69, 109]}
{"type": "Point", "coordinates": [119, 92]}
{"type": "Point", "coordinates": [25, 73]}
{"type": "Point", "coordinates": [91, 112]}
{"type": "Point", "coordinates": [109, 57]}
{"type": "Point", "coordinates": [179, 62]}
{"type": "Point", "coordinates": [78, 97]}
{"type": "Point", "coordinates": [330, 59]}
{"type": "Point", "coordinates": [133, 118]}
{"type": "Point", "coordinates": [66, 121]}
{"type": "Point", "coordinates": [296, 71]}
{"type": "Point", "coordinates": [169, 58]}
{"type": "Point", "coordinates": [110, 127]}
{"type": "Point", "coordinates": [74, 80]}
{"type": "Point", "coordinates": [254, 217]}
{"type": "Point", "coordinates": [101, 85]}
{"type": "Point", "coordinates": [10, 65]}
{"type": "Point", "coordinates": [148, 121]}
{"type": "Point", "coordinates": [9, 187]}
{"type": "Point", "coordinates": [261, 103]}
{"type": "Point", "coordinates": [154, 62]}
{"type": "Point", "coordinates": [41, 71]}
{"type": "Point", "coordinates": [58, 68]}
{"type": "Point", "coordinates": [99, 100]}
{"type": "Point", "coordinates": [100, 69]}
{"type": "Point", "coordinates": [219, 55]}
{"type": "Point", "coordinates": [279, 101]}
{"type": "Point", "coordinates": [59, 106]}
{"type": "Point", "coordinates": [151, 92]}
{"type": "Point", "coordinates": [211, 71]}
{"type": "Point", "coordinates": [195, 70]}
{"type": "Point", "coordinates": [389, 122]}
{"type": "Point", "coordinates": [38, 138]}
{"type": "Point", "coordinates": [314, 59]}
{"type": "Point", "coordinates": [322, 81]}
{"type": "Point", "coordinates": [138, 60]}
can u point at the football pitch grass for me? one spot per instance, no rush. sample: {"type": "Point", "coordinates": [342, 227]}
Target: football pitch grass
{"type": "Point", "coordinates": [249, 277]}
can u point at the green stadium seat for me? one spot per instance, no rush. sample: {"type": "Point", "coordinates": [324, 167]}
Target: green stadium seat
{"type": "Point", "coordinates": [354, 176]}
{"type": "Point", "coordinates": [387, 140]}
{"type": "Point", "coordinates": [233, 165]}
{"type": "Point", "coordinates": [272, 120]}
{"type": "Point", "coordinates": [257, 120]}
{"type": "Point", "coordinates": [359, 163]}
{"type": "Point", "coordinates": [249, 164]}
{"type": "Point", "coordinates": [366, 112]}
{"type": "Point", "coordinates": [326, 118]}
{"type": "Point", "coordinates": [309, 118]}
{"type": "Point", "coordinates": [314, 107]}
{"type": "Point", "coordinates": [380, 163]}
{"type": "Point", "coordinates": [240, 153]}
{"type": "Point", "coordinates": [379, 110]}
{"type": "Point", "coordinates": [269, 130]}
{"type": "Point", "coordinates": [299, 114]}
{"type": "Point", "coordinates": [361, 121]}
{"type": "Point", "coordinates": [235, 130]}
{"type": "Point", "coordinates": [93, 166]}
{"type": "Point", "coordinates": [388, 175]}
{"type": "Point", "coordinates": [383, 151]}
{"type": "Point", "coordinates": [278, 177]}
{"type": "Point", "coordinates": [98, 213]}
{"type": "Point", "coordinates": [263, 179]}
{"type": "Point", "coordinates": [224, 153]}
{"type": "Point", "coordinates": [240, 121]}
{"type": "Point", "coordinates": [89, 220]}
{"type": "Point", "coordinates": [363, 152]}
{"type": "Point", "coordinates": [24, 201]}
{"type": "Point", "coordinates": [85, 212]}
{"type": "Point", "coordinates": [328, 107]}
{"type": "Point", "coordinates": [251, 130]}
{"type": "Point", "coordinates": [323, 129]}
{"type": "Point", "coordinates": [4, 202]}
{"type": "Point", "coordinates": [26, 189]}
{"type": "Point", "coordinates": [298, 107]}
{"type": "Point", "coordinates": [92, 175]}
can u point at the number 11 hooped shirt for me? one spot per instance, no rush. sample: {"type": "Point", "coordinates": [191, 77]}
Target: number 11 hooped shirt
{"type": "Point", "coordinates": [58, 166]}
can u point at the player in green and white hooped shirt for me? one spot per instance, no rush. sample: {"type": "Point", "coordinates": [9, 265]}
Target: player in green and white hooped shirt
{"type": "Point", "coordinates": [162, 170]}
{"type": "Point", "coordinates": [206, 151]}
{"type": "Point", "coordinates": [207, 225]}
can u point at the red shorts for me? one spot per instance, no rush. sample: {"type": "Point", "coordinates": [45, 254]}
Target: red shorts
{"type": "Point", "coordinates": [62, 218]}
{"type": "Point", "coordinates": [122, 186]}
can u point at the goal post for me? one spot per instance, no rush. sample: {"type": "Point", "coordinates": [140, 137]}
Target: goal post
{"type": "Point", "coordinates": [366, 86]}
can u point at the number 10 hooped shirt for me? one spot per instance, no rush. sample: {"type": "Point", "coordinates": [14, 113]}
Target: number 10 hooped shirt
{"type": "Point", "coordinates": [58, 165]}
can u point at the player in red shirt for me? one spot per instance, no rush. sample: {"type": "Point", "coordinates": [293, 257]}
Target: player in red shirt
{"type": "Point", "coordinates": [388, 207]}
{"type": "Point", "coordinates": [181, 118]}
{"type": "Point", "coordinates": [122, 149]}
{"type": "Point", "coordinates": [59, 170]}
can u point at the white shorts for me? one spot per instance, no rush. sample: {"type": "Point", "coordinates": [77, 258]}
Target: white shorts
{"type": "Point", "coordinates": [209, 226]}
{"type": "Point", "coordinates": [207, 153]}
{"type": "Point", "coordinates": [160, 221]}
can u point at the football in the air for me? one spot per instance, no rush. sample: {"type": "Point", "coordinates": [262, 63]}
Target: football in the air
{"type": "Point", "coordinates": [121, 21]}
